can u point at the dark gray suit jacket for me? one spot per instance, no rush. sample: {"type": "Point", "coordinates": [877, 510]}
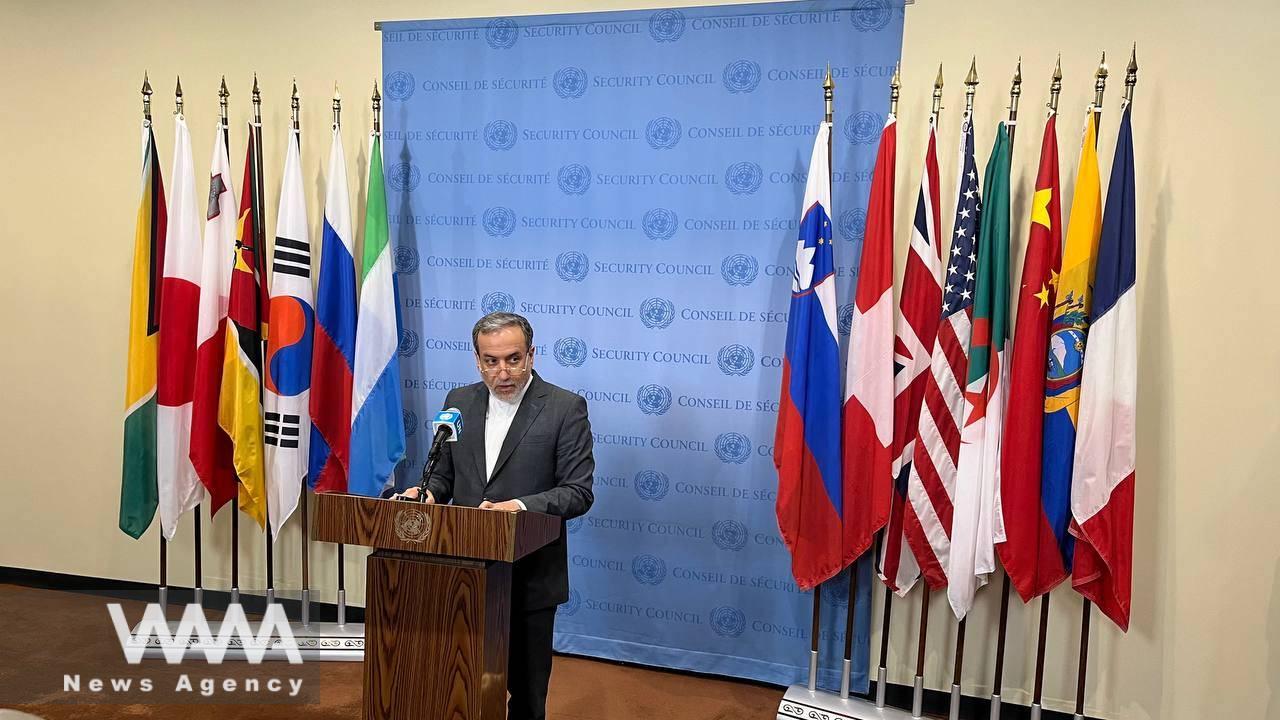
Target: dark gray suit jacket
{"type": "Point", "coordinates": [546, 462]}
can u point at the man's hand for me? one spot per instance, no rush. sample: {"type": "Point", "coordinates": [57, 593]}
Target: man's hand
{"type": "Point", "coordinates": [412, 494]}
{"type": "Point", "coordinates": [505, 505]}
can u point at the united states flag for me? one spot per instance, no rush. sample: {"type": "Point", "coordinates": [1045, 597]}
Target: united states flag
{"type": "Point", "coordinates": [913, 345]}
{"type": "Point", "coordinates": [932, 474]}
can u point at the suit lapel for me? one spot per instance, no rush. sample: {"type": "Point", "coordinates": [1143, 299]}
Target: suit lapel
{"type": "Point", "coordinates": [479, 410]}
{"type": "Point", "coordinates": [533, 402]}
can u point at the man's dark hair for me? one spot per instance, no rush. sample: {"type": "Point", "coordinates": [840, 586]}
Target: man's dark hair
{"type": "Point", "coordinates": [495, 321]}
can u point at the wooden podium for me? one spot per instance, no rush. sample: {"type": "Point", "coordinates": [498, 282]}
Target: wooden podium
{"type": "Point", "coordinates": [437, 601]}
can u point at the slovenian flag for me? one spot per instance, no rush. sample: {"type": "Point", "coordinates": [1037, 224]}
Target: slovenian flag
{"type": "Point", "coordinates": [807, 444]}
{"type": "Point", "coordinates": [377, 414]}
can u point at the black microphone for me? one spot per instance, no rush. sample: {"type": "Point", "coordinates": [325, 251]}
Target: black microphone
{"type": "Point", "coordinates": [447, 425]}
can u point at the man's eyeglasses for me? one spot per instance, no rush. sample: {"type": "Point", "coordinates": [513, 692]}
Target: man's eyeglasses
{"type": "Point", "coordinates": [514, 368]}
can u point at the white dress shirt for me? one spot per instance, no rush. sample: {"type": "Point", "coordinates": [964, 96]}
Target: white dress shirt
{"type": "Point", "coordinates": [497, 423]}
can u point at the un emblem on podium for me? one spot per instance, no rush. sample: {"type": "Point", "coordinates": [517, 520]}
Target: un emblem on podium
{"type": "Point", "coordinates": [412, 525]}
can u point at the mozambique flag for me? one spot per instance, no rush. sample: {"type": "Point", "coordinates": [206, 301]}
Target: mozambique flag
{"type": "Point", "coordinates": [240, 397]}
{"type": "Point", "coordinates": [138, 494]}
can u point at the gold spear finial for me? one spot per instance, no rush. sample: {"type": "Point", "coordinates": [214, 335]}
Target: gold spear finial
{"type": "Point", "coordinates": [1131, 75]}
{"type": "Point", "coordinates": [937, 93]}
{"type": "Point", "coordinates": [177, 97]}
{"type": "Point", "coordinates": [377, 109]}
{"type": "Point", "coordinates": [1055, 85]}
{"type": "Point", "coordinates": [1015, 91]}
{"type": "Point", "coordinates": [1100, 82]}
{"type": "Point", "coordinates": [146, 95]}
{"type": "Point", "coordinates": [223, 94]}
{"type": "Point", "coordinates": [895, 87]}
{"type": "Point", "coordinates": [294, 104]}
{"type": "Point", "coordinates": [828, 94]}
{"type": "Point", "coordinates": [337, 107]}
{"type": "Point", "coordinates": [970, 85]}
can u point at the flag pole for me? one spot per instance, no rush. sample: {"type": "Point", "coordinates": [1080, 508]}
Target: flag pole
{"type": "Point", "coordinates": [342, 575]}
{"type": "Point", "coordinates": [917, 700]}
{"type": "Point", "coordinates": [259, 261]}
{"type": "Point", "coordinates": [223, 94]}
{"type": "Point", "coordinates": [295, 106]}
{"type": "Point", "coordinates": [162, 589]}
{"type": "Point", "coordinates": [1099, 87]}
{"type": "Point", "coordinates": [198, 591]}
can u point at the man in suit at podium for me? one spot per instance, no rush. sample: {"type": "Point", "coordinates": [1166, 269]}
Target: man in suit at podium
{"type": "Point", "coordinates": [526, 445]}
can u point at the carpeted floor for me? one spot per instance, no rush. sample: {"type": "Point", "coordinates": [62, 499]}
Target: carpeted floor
{"type": "Point", "coordinates": [52, 636]}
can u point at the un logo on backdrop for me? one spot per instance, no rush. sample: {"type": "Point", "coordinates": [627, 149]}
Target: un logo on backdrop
{"type": "Point", "coordinates": [410, 423]}
{"type": "Point", "coordinates": [406, 260]}
{"type": "Point", "coordinates": [836, 590]}
{"type": "Point", "coordinates": [728, 621]}
{"type": "Point", "coordinates": [733, 447]}
{"type": "Point", "coordinates": [729, 535]}
{"type": "Point", "coordinates": [736, 359]}
{"type": "Point", "coordinates": [499, 221]}
{"type": "Point", "coordinates": [399, 85]}
{"type": "Point", "coordinates": [574, 525]}
{"type": "Point", "coordinates": [743, 178]}
{"type": "Point", "coordinates": [570, 352]}
{"type": "Point", "coordinates": [741, 76]}
{"type": "Point", "coordinates": [871, 15]}
{"type": "Point", "coordinates": [648, 569]}
{"type": "Point", "coordinates": [403, 177]}
{"type": "Point", "coordinates": [408, 343]}
{"type": "Point", "coordinates": [663, 133]}
{"type": "Point", "coordinates": [739, 269]}
{"type": "Point", "coordinates": [657, 313]}
{"type": "Point", "coordinates": [501, 33]}
{"type": "Point", "coordinates": [570, 82]}
{"type": "Point", "coordinates": [652, 485]}
{"type": "Point", "coordinates": [497, 301]}
{"type": "Point", "coordinates": [570, 606]}
{"type": "Point", "coordinates": [666, 25]}
{"type": "Point", "coordinates": [572, 266]}
{"type": "Point", "coordinates": [653, 399]}
{"type": "Point", "coordinates": [500, 135]}
{"type": "Point", "coordinates": [863, 127]}
{"type": "Point", "coordinates": [574, 179]}
{"type": "Point", "coordinates": [845, 319]}
{"type": "Point", "coordinates": [853, 223]}
{"type": "Point", "coordinates": [660, 224]}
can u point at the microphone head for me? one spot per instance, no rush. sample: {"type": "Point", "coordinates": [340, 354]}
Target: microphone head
{"type": "Point", "coordinates": [451, 419]}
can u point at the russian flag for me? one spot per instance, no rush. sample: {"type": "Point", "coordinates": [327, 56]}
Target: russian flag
{"type": "Point", "coordinates": [806, 447]}
{"type": "Point", "coordinates": [333, 354]}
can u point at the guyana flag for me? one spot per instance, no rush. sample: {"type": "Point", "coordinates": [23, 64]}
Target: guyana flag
{"type": "Point", "coordinates": [138, 494]}
{"type": "Point", "coordinates": [240, 397]}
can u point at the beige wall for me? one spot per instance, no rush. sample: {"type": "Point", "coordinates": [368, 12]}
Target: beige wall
{"type": "Point", "coordinates": [1205, 639]}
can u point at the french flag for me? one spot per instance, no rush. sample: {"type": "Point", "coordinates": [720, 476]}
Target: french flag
{"type": "Point", "coordinates": [333, 353]}
{"type": "Point", "coordinates": [807, 443]}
